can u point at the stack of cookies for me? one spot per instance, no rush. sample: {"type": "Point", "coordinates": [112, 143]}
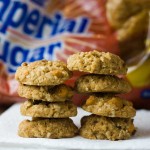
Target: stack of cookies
{"type": "Point", "coordinates": [49, 104]}
{"type": "Point", "coordinates": [111, 115]}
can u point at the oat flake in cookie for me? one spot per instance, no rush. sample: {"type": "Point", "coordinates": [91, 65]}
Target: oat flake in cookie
{"type": "Point", "coordinates": [97, 62]}
{"type": "Point", "coordinates": [43, 73]}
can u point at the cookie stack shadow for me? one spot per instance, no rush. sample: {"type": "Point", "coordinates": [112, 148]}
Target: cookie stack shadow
{"type": "Point", "coordinates": [111, 116]}
{"type": "Point", "coordinates": [49, 104]}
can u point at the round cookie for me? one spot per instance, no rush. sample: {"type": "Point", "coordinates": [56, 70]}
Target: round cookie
{"type": "Point", "coordinates": [101, 83]}
{"type": "Point", "coordinates": [48, 110]}
{"type": "Point", "coordinates": [97, 127]}
{"type": "Point", "coordinates": [58, 93]}
{"type": "Point", "coordinates": [109, 106]}
{"type": "Point", "coordinates": [47, 128]}
{"type": "Point", "coordinates": [43, 73]}
{"type": "Point", "coordinates": [97, 62]}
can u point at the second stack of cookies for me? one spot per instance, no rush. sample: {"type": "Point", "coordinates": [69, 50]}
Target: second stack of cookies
{"type": "Point", "coordinates": [49, 104]}
{"type": "Point", "coordinates": [111, 115]}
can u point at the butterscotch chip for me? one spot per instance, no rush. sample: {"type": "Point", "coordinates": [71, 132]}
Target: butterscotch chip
{"type": "Point", "coordinates": [58, 93]}
{"type": "Point", "coordinates": [43, 73]}
{"type": "Point", "coordinates": [109, 106]}
{"type": "Point", "coordinates": [101, 83]}
{"type": "Point", "coordinates": [47, 128]}
{"type": "Point", "coordinates": [97, 62]}
{"type": "Point", "coordinates": [98, 127]}
{"type": "Point", "coordinates": [48, 110]}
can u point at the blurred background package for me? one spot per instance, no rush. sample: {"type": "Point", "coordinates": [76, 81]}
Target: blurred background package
{"type": "Point", "coordinates": [54, 29]}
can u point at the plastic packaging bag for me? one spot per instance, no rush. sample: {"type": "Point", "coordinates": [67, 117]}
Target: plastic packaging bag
{"type": "Point", "coordinates": [54, 29]}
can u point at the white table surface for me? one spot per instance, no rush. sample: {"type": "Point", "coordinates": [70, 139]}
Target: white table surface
{"type": "Point", "coordinates": [9, 139]}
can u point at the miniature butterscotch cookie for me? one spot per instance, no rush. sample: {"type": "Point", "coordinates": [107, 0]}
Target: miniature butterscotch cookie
{"type": "Point", "coordinates": [101, 83]}
{"type": "Point", "coordinates": [109, 106]}
{"type": "Point", "coordinates": [58, 93]}
{"type": "Point", "coordinates": [48, 110]}
{"type": "Point", "coordinates": [97, 62]}
{"type": "Point", "coordinates": [97, 127]}
{"type": "Point", "coordinates": [47, 128]}
{"type": "Point", "coordinates": [43, 73]}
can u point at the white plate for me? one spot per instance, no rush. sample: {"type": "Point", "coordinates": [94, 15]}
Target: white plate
{"type": "Point", "coordinates": [9, 139]}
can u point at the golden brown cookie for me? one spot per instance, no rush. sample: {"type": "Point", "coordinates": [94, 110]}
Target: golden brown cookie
{"type": "Point", "coordinates": [97, 62]}
{"type": "Point", "coordinates": [97, 127]}
{"type": "Point", "coordinates": [43, 73]}
{"type": "Point", "coordinates": [109, 106]}
{"type": "Point", "coordinates": [101, 83]}
{"type": "Point", "coordinates": [47, 128]}
{"type": "Point", "coordinates": [58, 93]}
{"type": "Point", "coordinates": [119, 11]}
{"type": "Point", "coordinates": [136, 26]}
{"type": "Point", "coordinates": [48, 110]}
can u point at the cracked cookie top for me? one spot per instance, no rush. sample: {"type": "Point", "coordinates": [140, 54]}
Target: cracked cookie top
{"type": "Point", "coordinates": [97, 62]}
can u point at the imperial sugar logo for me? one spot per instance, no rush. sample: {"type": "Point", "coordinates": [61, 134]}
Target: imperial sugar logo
{"type": "Point", "coordinates": [32, 23]}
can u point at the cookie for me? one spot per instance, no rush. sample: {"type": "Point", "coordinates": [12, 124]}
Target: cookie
{"type": "Point", "coordinates": [43, 73]}
{"type": "Point", "coordinates": [48, 110]}
{"type": "Point", "coordinates": [135, 27]}
{"type": "Point", "coordinates": [120, 11]}
{"type": "Point", "coordinates": [47, 128]}
{"type": "Point", "coordinates": [98, 127]}
{"type": "Point", "coordinates": [58, 93]}
{"type": "Point", "coordinates": [97, 62]}
{"type": "Point", "coordinates": [101, 83]}
{"type": "Point", "coordinates": [109, 106]}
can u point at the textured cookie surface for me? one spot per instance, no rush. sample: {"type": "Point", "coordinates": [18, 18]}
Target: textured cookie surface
{"type": "Point", "coordinates": [43, 73]}
{"type": "Point", "coordinates": [109, 106]}
{"type": "Point", "coordinates": [48, 110]}
{"type": "Point", "coordinates": [47, 128]}
{"type": "Point", "coordinates": [58, 93]}
{"type": "Point", "coordinates": [97, 62]}
{"type": "Point", "coordinates": [101, 83]}
{"type": "Point", "coordinates": [97, 127]}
